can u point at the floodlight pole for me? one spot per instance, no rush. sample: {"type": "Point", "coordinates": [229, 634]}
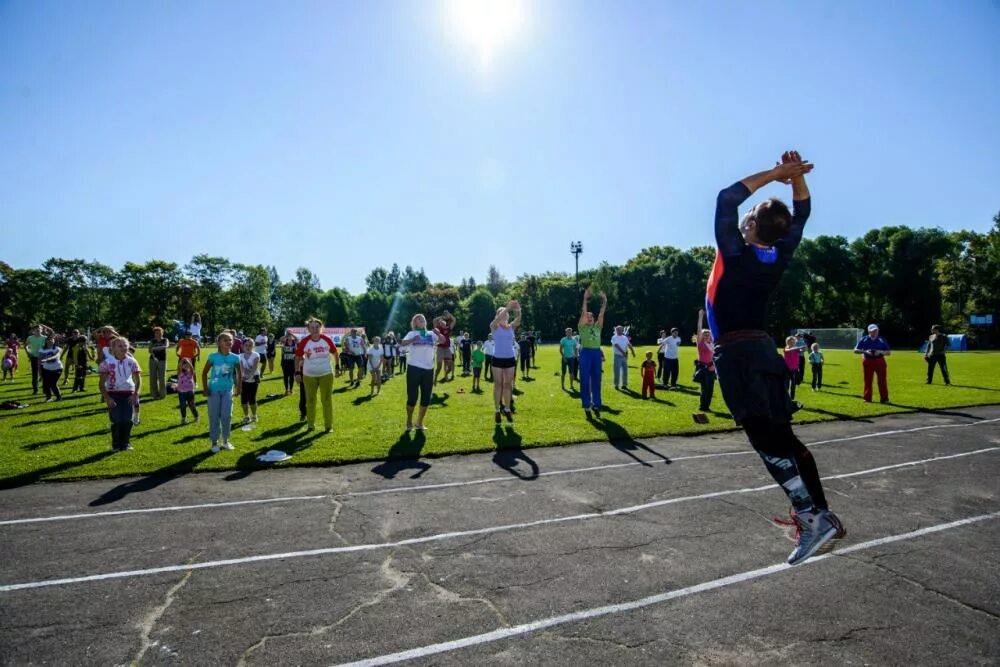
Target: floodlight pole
{"type": "Point", "coordinates": [576, 247]}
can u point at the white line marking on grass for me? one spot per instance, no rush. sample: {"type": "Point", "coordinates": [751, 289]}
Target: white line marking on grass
{"type": "Point", "coordinates": [587, 614]}
{"type": "Point", "coordinates": [437, 537]}
{"type": "Point", "coordinates": [448, 485]}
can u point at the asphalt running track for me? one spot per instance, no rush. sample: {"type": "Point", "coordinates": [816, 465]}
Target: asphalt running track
{"type": "Point", "coordinates": [654, 552]}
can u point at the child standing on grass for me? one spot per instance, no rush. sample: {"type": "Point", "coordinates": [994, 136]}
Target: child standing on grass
{"type": "Point", "coordinates": [478, 361]}
{"type": "Point", "coordinates": [225, 378]}
{"type": "Point", "coordinates": [9, 363]}
{"type": "Point", "coordinates": [250, 367]}
{"type": "Point", "coordinates": [185, 389]}
{"type": "Point", "coordinates": [816, 362]}
{"type": "Point", "coordinates": [792, 364]}
{"type": "Point", "coordinates": [120, 375]}
{"type": "Point", "coordinates": [648, 370]}
{"type": "Point", "coordinates": [375, 354]}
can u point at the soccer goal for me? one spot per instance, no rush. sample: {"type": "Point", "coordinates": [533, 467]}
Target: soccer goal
{"type": "Point", "coordinates": [834, 339]}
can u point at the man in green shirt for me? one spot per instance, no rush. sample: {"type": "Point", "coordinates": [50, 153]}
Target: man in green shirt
{"type": "Point", "coordinates": [590, 355]}
{"type": "Point", "coordinates": [568, 347]}
{"type": "Point", "coordinates": [33, 345]}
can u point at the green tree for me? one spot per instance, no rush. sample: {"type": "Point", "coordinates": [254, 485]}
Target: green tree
{"type": "Point", "coordinates": [477, 311]}
{"type": "Point", "coordinates": [373, 312]}
{"type": "Point", "coordinates": [336, 308]}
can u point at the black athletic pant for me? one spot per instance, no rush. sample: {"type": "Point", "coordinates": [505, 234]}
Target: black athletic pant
{"type": "Point", "coordinates": [80, 378]}
{"type": "Point", "coordinates": [34, 373]}
{"type": "Point", "coordinates": [790, 382]}
{"type": "Point", "coordinates": [288, 373]}
{"type": "Point", "coordinates": [488, 373]}
{"type": "Point", "coordinates": [661, 367]}
{"type": "Point", "coordinates": [50, 383]}
{"type": "Point", "coordinates": [419, 380]}
{"type": "Point", "coordinates": [673, 369]}
{"type": "Point", "coordinates": [934, 359]}
{"type": "Point", "coordinates": [525, 364]}
{"type": "Point", "coordinates": [302, 400]}
{"type": "Point", "coordinates": [788, 460]}
{"type": "Point", "coordinates": [466, 361]}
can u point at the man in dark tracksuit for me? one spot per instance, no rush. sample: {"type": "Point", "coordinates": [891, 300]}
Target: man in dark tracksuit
{"type": "Point", "coordinates": [752, 255]}
{"type": "Point", "coordinates": [936, 346]}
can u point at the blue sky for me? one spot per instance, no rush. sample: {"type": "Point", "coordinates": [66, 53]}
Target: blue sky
{"type": "Point", "coordinates": [343, 135]}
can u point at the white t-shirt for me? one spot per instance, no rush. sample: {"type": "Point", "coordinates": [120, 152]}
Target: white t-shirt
{"type": "Point", "coordinates": [421, 350]}
{"type": "Point", "coordinates": [118, 373]}
{"type": "Point", "coordinates": [488, 347]}
{"type": "Point", "coordinates": [354, 345]}
{"type": "Point", "coordinates": [670, 344]}
{"type": "Point", "coordinates": [195, 329]}
{"type": "Point", "coordinates": [375, 357]}
{"type": "Point", "coordinates": [620, 341]}
{"type": "Point", "coordinates": [260, 345]}
{"type": "Point", "coordinates": [250, 365]}
{"type": "Point", "coordinates": [315, 355]}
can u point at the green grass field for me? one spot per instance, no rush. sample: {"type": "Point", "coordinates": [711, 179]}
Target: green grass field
{"type": "Point", "coordinates": [70, 439]}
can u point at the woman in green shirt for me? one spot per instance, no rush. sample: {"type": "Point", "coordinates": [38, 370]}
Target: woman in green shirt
{"type": "Point", "coordinates": [590, 355]}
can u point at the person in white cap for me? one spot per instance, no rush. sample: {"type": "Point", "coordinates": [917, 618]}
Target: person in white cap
{"type": "Point", "coordinates": [874, 349]}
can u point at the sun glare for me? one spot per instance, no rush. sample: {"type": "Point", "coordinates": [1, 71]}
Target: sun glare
{"type": "Point", "coordinates": [487, 24]}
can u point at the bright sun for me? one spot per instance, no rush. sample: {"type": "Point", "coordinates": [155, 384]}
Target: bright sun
{"type": "Point", "coordinates": [487, 24]}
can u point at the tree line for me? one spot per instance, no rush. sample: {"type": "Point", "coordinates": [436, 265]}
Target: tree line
{"type": "Point", "coordinates": [905, 279]}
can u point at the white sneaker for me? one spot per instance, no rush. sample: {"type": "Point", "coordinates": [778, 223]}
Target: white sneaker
{"type": "Point", "coordinates": [215, 448]}
{"type": "Point", "coordinates": [135, 419]}
{"type": "Point", "coordinates": [227, 445]}
{"type": "Point", "coordinates": [255, 419]}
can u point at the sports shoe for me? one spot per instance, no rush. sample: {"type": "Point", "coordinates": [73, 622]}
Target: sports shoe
{"type": "Point", "coordinates": [597, 412]}
{"type": "Point", "coordinates": [215, 448]}
{"type": "Point", "coordinates": [135, 419]}
{"type": "Point", "coordinates": [184, 420]}
{"type": "Point", "coordinates": [509, 416]}
{"type": "Point", "coordinates": [227, 445]}
{"type": "Point", "coordinates": [816, 529]}
{"type": "Point", "coordinates": [127, 447]}
{"type": "Point", "coordinates": [837, 523]}
{"type": "Point", "coordinates": [496, 417]}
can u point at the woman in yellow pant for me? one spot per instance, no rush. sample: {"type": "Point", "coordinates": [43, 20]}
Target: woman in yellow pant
{"type": "Point", "coordinates": [313, 355]}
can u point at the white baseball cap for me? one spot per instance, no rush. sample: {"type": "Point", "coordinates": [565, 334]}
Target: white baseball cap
{"type": "Point", "coordinates": [872, 327]}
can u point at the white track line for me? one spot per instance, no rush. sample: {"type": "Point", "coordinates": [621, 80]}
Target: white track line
{"type": "Point", "coordinates": [437, 537]}
{"type": "Point", "coordinates": [587, 614]}
{"type": "Point", "coordinates": [448, 485]}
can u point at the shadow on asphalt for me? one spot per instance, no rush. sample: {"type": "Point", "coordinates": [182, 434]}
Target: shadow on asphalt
{"type": "Point", "coordinates": [509, 453]}
{"type": "Point", "coordinates": [404, 455]}
{"type": "Point", "coordinates": [622, 440]}
{"type": "Point", "coordinates": [151, 481]}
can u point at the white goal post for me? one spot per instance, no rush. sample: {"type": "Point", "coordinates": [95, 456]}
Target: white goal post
{"type": "Point", "coordinates": [834, 339]}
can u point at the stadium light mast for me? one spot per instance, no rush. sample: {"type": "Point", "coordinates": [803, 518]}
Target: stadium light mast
{"type": "Point", "coordinates": [576, 248]}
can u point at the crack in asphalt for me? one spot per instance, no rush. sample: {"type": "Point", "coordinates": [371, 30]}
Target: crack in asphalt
{"type": "Point", "coordinates": [397, 579]}
{"type": "Point", "coordinates": [924, 587]}
{"type": "Point", "coordinates": [331, 526]}
{"type": "Point", "coordinates": [147, 624]}
{"type": "Point", "coordinates": [585, 638]}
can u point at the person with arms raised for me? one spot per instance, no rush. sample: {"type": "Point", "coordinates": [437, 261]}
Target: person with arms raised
{"type": "Point", "coordinates": [751, 256]}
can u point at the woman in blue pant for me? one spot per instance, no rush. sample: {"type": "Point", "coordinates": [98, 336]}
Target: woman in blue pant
{"type": "Point", "coordinates": [590, 355]}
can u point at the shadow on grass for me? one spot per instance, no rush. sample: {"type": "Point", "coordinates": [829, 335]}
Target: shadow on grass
{"type": "Point", "coordinates": [151, 481]}
{"type": "Point", "coordinates": [509, 453]}
{"type": "Point", "coordinates": [58, 441]}
{"type": "Point", "coordinates": [622, 440]}
{"type": "Point", "coordinates": [439, 400]}
{"type": "Point", "coordinates": [404, 455]}
{"type": "Point", "coordinates": [36, 476]}
{"type": "Point", "coordinates": [75, 415]}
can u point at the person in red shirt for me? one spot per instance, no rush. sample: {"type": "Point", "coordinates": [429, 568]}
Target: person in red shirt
{"type": "Point", "coordinates": [443, 326]}
{"type": "Point", "coordinates": [649, 376]}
